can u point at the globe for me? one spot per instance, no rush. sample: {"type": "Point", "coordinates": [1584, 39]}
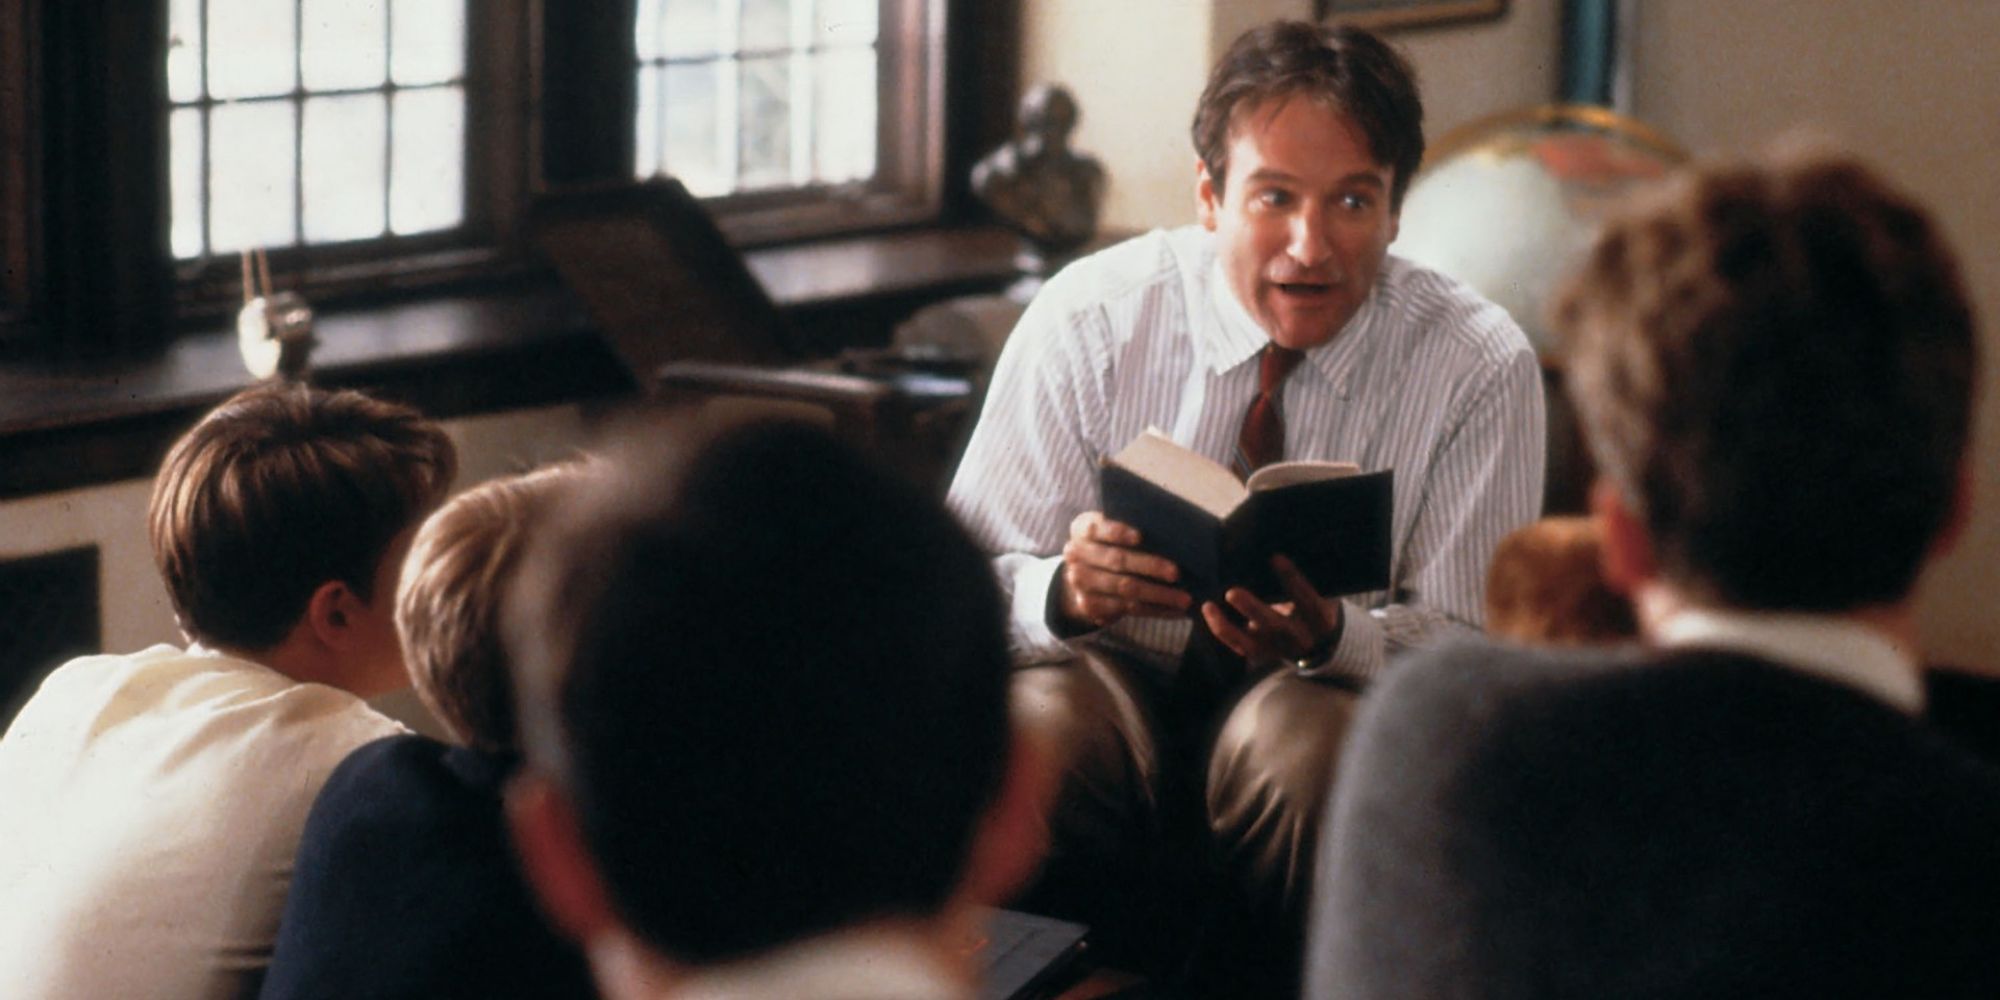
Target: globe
{"type": "Point", "coordinates": [1507, 204]}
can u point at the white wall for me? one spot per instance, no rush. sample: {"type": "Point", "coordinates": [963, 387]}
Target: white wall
{"type": "Point", "coordinates": [1909, 86]}
{"type": "Point", "coordinates": [1136, 67]}
{"type": "Point", "coordinates": [1472, 70]}
{"type": "Point", "coordinates": [135, 609]}
{"type": "Point", "coordinates": [113, 518]}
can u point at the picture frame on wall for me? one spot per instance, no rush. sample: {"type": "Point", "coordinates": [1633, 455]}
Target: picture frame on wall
{"type": "Point", "coordinates": [1388, 15]}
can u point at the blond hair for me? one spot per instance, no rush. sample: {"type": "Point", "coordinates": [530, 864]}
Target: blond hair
{"type": "Point", "coordinates": [454, 580]}
{"type": "Point", "coordinates": [1546, 586]}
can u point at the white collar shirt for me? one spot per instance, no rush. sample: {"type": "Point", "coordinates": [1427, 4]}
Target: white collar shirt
{"type": "Point", "coordinates": [1427, 379]}
{"type": "Point", "coordinates": [150, 808]}
{"type": "Point", "coordinates": [1830, 648]}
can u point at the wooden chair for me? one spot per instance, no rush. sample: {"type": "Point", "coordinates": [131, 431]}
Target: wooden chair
{"type": "Point", "coordinates": [681, 309]}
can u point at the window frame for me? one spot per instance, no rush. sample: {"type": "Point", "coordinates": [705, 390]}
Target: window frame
{"type": "Point", "coordinates": [487, 243]}
{"type": "Point", "coordinates": [908, 185]}
{"type": "Point", "coordinates": [18, 234]}
{"type": "Point", "coordinates": [89, 270]}
{"type": "Point", "coordinates": [512, 158]}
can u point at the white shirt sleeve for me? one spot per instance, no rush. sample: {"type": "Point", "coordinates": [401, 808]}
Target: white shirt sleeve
{"type": "Point", "coordinates": [1486, 480]}
{"type": "Point", "coordinates": [1031, 465]}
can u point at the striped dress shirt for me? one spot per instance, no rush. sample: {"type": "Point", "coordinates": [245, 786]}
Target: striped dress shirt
{"type": "Point", "coordinates": [1427, 379]}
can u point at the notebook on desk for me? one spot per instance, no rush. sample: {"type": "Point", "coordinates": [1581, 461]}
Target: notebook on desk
{"type": "Point", "coordinates": [1027, 957]}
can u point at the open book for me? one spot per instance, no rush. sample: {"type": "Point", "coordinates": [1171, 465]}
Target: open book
{"type": "Point", "coordinates": [1026, 956]}
{"type": "Point", "coordinates": [1329, 518]}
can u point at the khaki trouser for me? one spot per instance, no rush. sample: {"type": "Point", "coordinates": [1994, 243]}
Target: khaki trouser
{"type": "Point", "coordinates": [1212, 806]}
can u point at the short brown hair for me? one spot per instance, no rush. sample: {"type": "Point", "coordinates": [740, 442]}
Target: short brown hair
{"type": "Point", "coordinates": [1774, 363]}
{"type": "Point", "coordinates": [772, 676]}
{"type": "Point", "coordinates": [448, 611]}
{"type": "Point", "coordinates": [1546, 585]}
{"type": "Point", "coordinates": [1344, 68]}
{"type": "Point", "coordinates": [279, 490]}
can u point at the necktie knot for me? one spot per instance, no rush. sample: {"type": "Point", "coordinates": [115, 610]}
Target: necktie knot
{"type": "Point", "coordinates": [1276, 363]}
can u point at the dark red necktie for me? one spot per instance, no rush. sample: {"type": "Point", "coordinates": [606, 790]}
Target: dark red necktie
{"type": "Point", "coordinates": [1263, 438]}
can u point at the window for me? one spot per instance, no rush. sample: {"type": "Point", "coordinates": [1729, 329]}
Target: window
{"type": "Point", "coordinates": [313, 121]}
{"type": "Point", "coordinates": [791, 116]}
{"type": "Point", "coordinates": [742, 95]}
{"type": "Point", "coordinates": [309, 123]}
{"type": "Point", "coordinates": [376, 145]}
{"type": "Point", "coordinates": [368, 144]}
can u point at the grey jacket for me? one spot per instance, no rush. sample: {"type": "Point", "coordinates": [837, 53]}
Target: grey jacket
{"type": "Point", "coordinates": [1515, 823]}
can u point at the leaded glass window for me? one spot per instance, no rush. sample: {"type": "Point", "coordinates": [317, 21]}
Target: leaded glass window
{"type": "Point", "coordinates": [742, 96]}
{"type": "Point", "coordinates": [304, 122]}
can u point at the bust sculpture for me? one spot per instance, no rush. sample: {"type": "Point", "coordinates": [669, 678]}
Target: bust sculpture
{"type": "Point", "coordinates": [1039, 186]}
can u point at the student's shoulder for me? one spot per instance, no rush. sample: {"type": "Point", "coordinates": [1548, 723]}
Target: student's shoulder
{"type": "Point", "coordinates": [1469, 685]}
{"type": "Point", "coordinates": [396, 781]}
{"type": "Point", "coordinates": [320, 726]}
{"type": "Point", "coordinates": [398, 757]}
{"type": "Point", "coordinates": [109, 671]}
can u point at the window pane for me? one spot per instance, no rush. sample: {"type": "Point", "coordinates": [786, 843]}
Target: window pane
{"type": "Point", "coordinates": [646, 148]}
{"type": "Point", "coordinates": [764, 124]}
{"type": "Point", "coordinates": [646, 30]}
{"type": "Point", "coordinates": [429, 41]}
{"type": "Point", "coordinates": [846, 22]}
{"type": "Point", "coordinates": [693, 27]}
{"type": "Point", "coordinates": [184, 50]}
{"type": "Point", "coordinates": [694, 143]}
{"type": "Point", "coordinates": [792, 102]}
{"type": "Point", "coordinates": [343, 42]}
{"type": "Point", "coordinates": [343, 169]}
{"type": "Point", "coordinates": [251, 186]}
{"type": "Point", "coordinates": [844, 113]}
{"type": "Point", "coordinates": [801, 98]}
{"type": "Point", "coordinates": [767, 25]}
{"type": "Point", "coordinates": [184, 132]}
{"type": "Point", "coordinates": [251, 49]}
{"type": "Point", "coordinates": [427, 180]}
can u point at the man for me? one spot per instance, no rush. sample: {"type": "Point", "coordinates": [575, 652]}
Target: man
{"type": "Point", "coordinates": [764, 709]}
{"type": "Point", "coordinates": [1283, 300]}
{"type": "Point", "coordinates": [1774, 366]}
{"type": "Point", "coordinates": [153, 801]}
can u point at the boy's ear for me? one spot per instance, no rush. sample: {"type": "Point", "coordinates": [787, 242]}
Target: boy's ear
{"type": "Point", "coordinates": [1627, 550]}
{"type": "Point", "coordinates": [330, 614]}
{"type": "Point", "coordinates": [549, 840]}
{"type": "Point", "coordinates": [1013, 834]}
{"type": "Point", "coordinates": [1207, 198]}
{"type": "Point", "coordinates": [1959, 516]}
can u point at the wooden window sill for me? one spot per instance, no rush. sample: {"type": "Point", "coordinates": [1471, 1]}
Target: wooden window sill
{"type": "Point", "coordinates": [69, 425]}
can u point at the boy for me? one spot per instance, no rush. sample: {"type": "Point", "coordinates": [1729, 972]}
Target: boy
{"type": "Point", "coordinates": [154, 800]}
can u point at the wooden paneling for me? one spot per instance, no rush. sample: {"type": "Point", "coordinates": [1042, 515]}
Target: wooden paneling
{"type": "Point", "coordinates": [49, 612]}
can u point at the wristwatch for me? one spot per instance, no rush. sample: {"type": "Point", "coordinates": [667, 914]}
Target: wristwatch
{"type": "Point", "coordinates": [1316, 657]}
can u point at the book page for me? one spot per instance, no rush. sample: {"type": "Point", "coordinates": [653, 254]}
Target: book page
{"type": "Point", "coordinates": [1281, 474]}
{"type": "Point", "coordinates": [1154, 457]}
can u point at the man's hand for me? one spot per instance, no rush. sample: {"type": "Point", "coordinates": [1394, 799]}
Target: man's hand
{"type": "Point", "coordinates": [1104, 578]}
{"type": "Point", "coordinates": [1272, 633]}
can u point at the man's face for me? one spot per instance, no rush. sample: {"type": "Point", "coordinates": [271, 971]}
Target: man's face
{"type": "Point", "coordinates": [1302, 221]}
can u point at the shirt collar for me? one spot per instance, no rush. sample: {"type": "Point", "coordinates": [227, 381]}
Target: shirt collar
{"type": "Point", "coordinates": [1824, 646]}
{"type": "Point", "coordinates": [224, 660]}
{"type": "Point", "coordinates": [1237, 337]}
{"type": "Point", "coordinates": [871, 964]}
